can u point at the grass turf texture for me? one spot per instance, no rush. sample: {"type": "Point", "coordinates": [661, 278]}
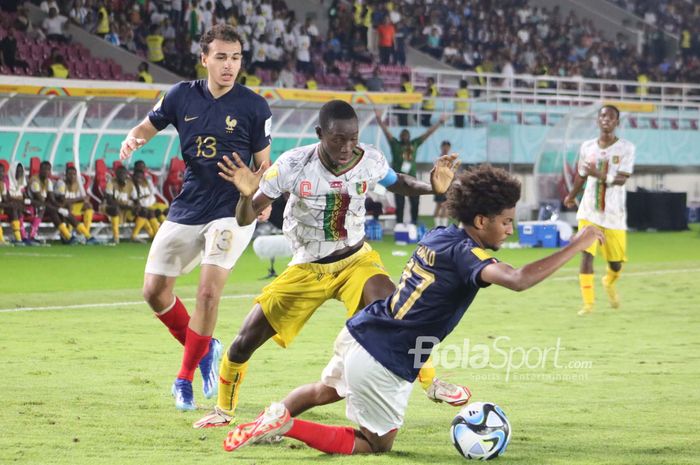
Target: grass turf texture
{"type": "Point", "coordinates": [92, 385]}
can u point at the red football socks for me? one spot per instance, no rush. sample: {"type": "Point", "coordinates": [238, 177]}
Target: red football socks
{"type": "Point", "coordinates": [328, 439]}
{"type": "Point", "coordinates": [176, 319]}
{"type": "Point", "coordinates": [196, 347]}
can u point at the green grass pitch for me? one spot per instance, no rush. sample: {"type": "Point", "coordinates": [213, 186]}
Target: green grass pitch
{"type": "Point", "coordinates": [87, 380]}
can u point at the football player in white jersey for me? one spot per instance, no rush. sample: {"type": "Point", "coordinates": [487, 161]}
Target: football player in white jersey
{"type": "Point", "coordinates": [324, 222]}
{"type": "Point", "coordinates": [606, 163]}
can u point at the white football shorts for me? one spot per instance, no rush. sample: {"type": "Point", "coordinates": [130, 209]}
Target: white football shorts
{"type": "Point", "coordinates": [375, 398]}
{"type": "Point", "coordinates": [178, 248]}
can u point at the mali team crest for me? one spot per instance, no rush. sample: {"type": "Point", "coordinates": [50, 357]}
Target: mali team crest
{"type": "Point", "coordinates": [361, 187]}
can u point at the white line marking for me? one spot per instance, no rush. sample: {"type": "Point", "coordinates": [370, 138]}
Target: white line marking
{"type": "Point", "coordinates": [110, 304]}
{"type": "Point", "coordinates": [633, 273]}
{"type": "Point", "coordinates": [250, 296]}
{"type": "Point", "coordinates": [30, 254]}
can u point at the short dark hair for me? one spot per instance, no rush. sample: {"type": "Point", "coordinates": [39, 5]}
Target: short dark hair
{"type": "Point", "coordinates": [335, 110]}
{"type": "Point", "coordinates": [224, 32]}
{"type": "Point", "coordinates": [482, 190]}
{"type": "Point", "coordinates": [612, 107]}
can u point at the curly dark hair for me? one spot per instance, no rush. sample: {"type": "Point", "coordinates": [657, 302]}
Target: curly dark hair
{"type": "Point", "coordinates": [222, 32]}
{"type": "Point", "coordinates": [481, 190]}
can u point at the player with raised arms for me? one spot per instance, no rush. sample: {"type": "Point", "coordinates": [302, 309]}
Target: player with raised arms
{"type": "Point", "coordinates": [378, 354]}
{"type": "Point", "coordinates": [213, 117]}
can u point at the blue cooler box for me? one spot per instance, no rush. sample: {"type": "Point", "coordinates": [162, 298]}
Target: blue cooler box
{"type": "Point", "coordinates": [538, 234]}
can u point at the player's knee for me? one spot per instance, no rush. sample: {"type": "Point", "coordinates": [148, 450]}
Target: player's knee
{"type": "Point", "coordinates": [381, 446]}
{"type": "Point", "coordinates": [241, 349]}
{"type": "Point", "coordinates": [154, 296]}
{"type": "Point", "coordinates": [208, 296]}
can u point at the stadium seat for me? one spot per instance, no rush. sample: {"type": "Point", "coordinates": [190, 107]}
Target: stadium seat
{"type": "Point", "coordinates": [173, 182]}
{"type": "Point", "coordinates": [34, 164]}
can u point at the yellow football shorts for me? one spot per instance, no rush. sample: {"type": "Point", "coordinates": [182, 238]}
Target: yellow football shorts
{"type": "Point", "coordinates": [78, 208]}
{"type": "Point", "coordinates": [290, 300]}
{"type": "Point", "coordinates": [615, 247]}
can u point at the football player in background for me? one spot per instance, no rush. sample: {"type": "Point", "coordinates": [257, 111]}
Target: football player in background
{"type": "Point", "coordinates": [606, 162]}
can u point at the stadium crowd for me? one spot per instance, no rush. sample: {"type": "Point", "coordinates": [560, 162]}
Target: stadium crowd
{"type": "Point", "coordinates": [507, 36]}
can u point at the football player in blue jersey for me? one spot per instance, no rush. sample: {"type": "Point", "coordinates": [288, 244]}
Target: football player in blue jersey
{"type": "Point", "coordinates": [213, 117]}
{"type": "Point", "coordinates": [381, 349]}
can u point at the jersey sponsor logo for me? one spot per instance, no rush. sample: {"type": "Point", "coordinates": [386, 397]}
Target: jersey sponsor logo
{"type": "Point", "coordinates": [230, 124]}
{"type": "Point", "coordinates": [336, 184]}
{"type": "Point", "coordinates": [305, 188]}
{"type": "Point", "coordinates": [190, 118]}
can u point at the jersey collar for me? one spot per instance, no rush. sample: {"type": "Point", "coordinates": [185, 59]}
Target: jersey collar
{"type": "Point", "coordinates": [358, 154]}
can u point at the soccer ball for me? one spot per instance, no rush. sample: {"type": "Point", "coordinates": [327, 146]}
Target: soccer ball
{"type": "Point", "coordinates": [480, 431]}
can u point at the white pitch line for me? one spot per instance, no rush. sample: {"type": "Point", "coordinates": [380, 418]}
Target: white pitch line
{"type": "Point", "coordinates": [250, 296]}
{"type": "Point", "coordinates": [109, 304]}
{"type": "Point", "coordinates": [34, 254]}
{"type": "Point", "coordinates": [637, 273]}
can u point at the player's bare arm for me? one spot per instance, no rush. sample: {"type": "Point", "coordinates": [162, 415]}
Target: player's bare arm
{"type": "Point", "coordinates": [570, 200]}
{"type": "Point", "coordinates": [137, 138]}
{"type": "Point", "coordinates": [523, 278]}
{"type": "Point", "coordinates": [423, 137]}
{"type": "Point", "coordinates": [441, 177]}
{"type": "Point", "coordinates": [382, 125]}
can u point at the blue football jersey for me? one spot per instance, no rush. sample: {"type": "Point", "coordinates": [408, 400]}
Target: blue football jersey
{"type": "Point", "coordinates": [437, 286]}
{"type": "Point", "coordinates": [238, 121]}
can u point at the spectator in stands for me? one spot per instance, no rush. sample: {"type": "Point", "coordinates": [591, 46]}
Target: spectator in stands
{"type": "Point", "coordinates": [102, 27]}
{"type": "Point", "coordinates": [286, 77]}
{"type": "Point", "coordinates": [311, 83]}
{"type": "Point", "coordinates": [8, 51]}
{"type": "Point", "coordinates": [72, 201]}
{"type": "Point", "coordinates": [403, 159]}
{"type": "Point", "coordinates": [386, 33]}
{"type": "Point", "coordinates": [404, 109]}
{"type": "Point", "coordinates": [375, 83]}
{"type": "Point", "coordinates": [55, 26]}
{"type": "Point", "coordinates": [79, 13]}
{"type": "Point", "coordinates": [154, 40]}
{"type": "Point", "coordinates": [359, 51]}
{"type": "Point", "coordinates": [143, 74]}
{"type": "Point", "coordinates": [303, 51]}
{"type": "Point", "coordinates": [401, 37]}
{"type": "Point", "coordinates": [57, 68]}
{"type": "Point", "coordinates": [428, 107]}
{"type": "Point", "coordinates": [24, 25]}
{"type": "Point", "coordinates": [46, 6]}
{"type": "Point", "coordinates": [113, 36]}
{"type": "Point", "coordinates": [461, 107]}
